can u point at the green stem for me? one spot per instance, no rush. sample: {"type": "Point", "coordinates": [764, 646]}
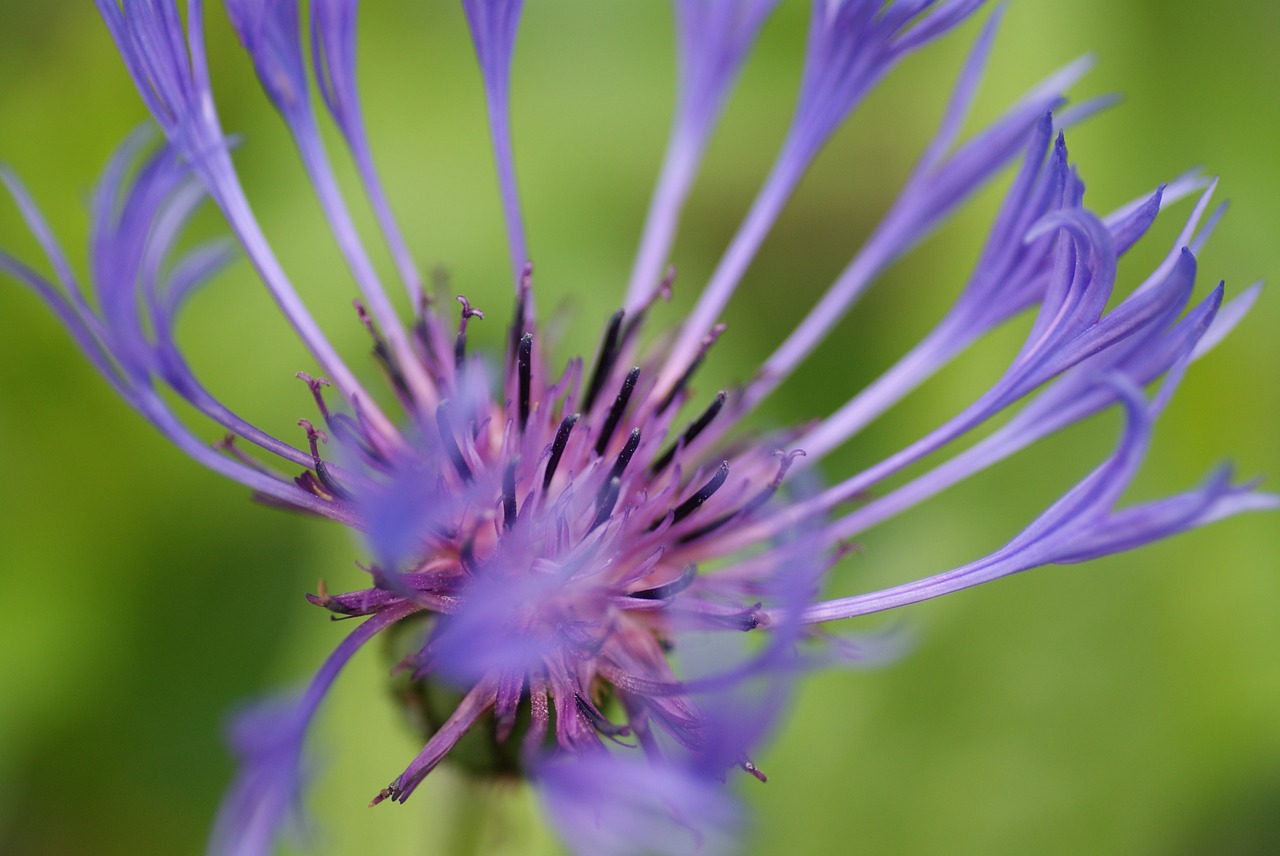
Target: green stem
{"type": "Point", "coordinates": [490, 817]}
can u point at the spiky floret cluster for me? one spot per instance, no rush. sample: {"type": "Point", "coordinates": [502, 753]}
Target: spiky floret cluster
{"type": "Point", "coordinates": [556, 531]}
{"type": "Point", "coordinates": [585, 540]}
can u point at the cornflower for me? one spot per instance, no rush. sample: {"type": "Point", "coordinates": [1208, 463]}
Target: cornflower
{"type": "Point", "coordinates": [620, 589]}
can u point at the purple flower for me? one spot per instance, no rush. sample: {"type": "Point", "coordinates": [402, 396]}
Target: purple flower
{"type": "Point", "coordinates": [622, 595]}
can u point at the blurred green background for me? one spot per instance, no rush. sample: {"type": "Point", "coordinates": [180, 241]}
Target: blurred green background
{"type": "Point", "coordinates": [1131, 706]}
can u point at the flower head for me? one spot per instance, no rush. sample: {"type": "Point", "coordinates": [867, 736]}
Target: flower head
{"type": "Point", "coordinates": [579, 551]}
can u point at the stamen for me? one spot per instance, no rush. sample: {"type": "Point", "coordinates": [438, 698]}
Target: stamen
{"type": "Point", "coordinates": [605, 503]}
{"type": "Point", "coordinates": [425, 331]}
{"type": "Point", "coordinates": [784, 464]}
{"type": "Point", "coordinates": [520, 321]}
{"type": "Point", "coordinates": [315, 436]}
{"type": "Point", "coordinates": [615, 411]}
{"type": "Point", "coordinates": [668, 280]}
{"type": "Point", "coordinates": [695, 502]}
{"type": "Point", "coordinates": [467, 554]}
{"type": "Point", "coordinates": [460, 344]}
{"type": "Point", "coordinates": [695, 428]}
{"type": "Point", "coordinates": [509, 494]}
{"type": "Point", "coordinates": [748, 619]}
{"type": "Point", "coordinates": [381, 353]}
{"type": "Point", "coordinates": [636, 321]}
{"type": "Point", "coordinates": [752, 504]}
{"type": "Point", "coordinates": [678, 387]}
{"type": "Point", "coordinates": [671, 589]}
{"type": "Point", "coordinates": [557, 448]}
{"type": "Point", "coordinates": [620, 465]}
{"type": "Point", "coordinates": [309, 483]}
{"type": "Point", "coordinates": [316, 384]}
{"type": "Point", "coordinates": [345, 429]}
{"type": "Point", "coordinates": [604, 361]}
{"type": "Point", "coordinates": [624, 457]}
{"type": "Point", "coordinates": [228, 444]}
{"type": "Point", "coordinates": [524, 366]}
{"type": "Point", "coordinates": [598, 721]}
{"type": "Point", "coordinates": [351, 604]}
{"type": "Point", "coordinates": [451, 443]}
{"type": "Point", "coordinates": [349, 431]}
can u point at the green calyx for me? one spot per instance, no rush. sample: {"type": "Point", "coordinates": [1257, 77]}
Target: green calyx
{"type": "Point", "coordinates": [428, 704]}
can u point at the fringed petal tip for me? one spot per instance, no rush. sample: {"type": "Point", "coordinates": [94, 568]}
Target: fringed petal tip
{"type": "Point", "coordinates": [264, 801]}
{"type": "Point", "coordinates": [270, 31]}
{"type": "Point", "coordinates": [852, 44]}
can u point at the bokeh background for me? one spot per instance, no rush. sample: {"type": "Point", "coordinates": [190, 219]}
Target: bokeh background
{"type": "Point", "coordinates": [1131, 706]}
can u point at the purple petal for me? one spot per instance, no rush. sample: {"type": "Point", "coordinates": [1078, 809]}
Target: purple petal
{"type": "Point", "coordinates": [269, 31]}
{"type": "Point", "coordinates": [168, 68]}
{"type": "Point", "coordinates": [333, 57]}
{"type": "Point", "coordinates": [268, 740]}
{"type": "Point", "coordinates": [614, 805]}
{"type": "Point", "coordinates": [493, 26]}
{"type": "Point", "coordinates": [713, 38]}
{"type": "Point", "coordinates": [851, 47]}
{"type": "Point", "coordinates": [1082, 525]}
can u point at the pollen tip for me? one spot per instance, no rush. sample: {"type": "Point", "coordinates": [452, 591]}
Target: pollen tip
{"type": "Point", "coordinates": [668, 280]}
{"type": "Point", "coordinates": [318, 383]}
{"type": "Point", "coordinates": [313, 433]}
{"type": "Point", "coordinates": [845, 547]}
{"type": "Point", "coordinates": [362, 312]}
{"type": "Point", "coordinates": [469, 311]}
